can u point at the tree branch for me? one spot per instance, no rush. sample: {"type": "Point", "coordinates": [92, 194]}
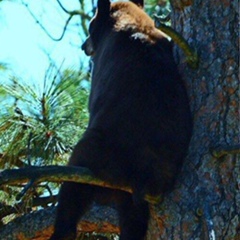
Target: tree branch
{"type": "Point", "coordinates": [38, 225]}
{"type": "Point", "coordinates": [73, 13]}
{"type": "Point", "coordinates": [225, 150]}
{"type": "Point", "coordinates": [191, 55]}
{"type": "Point", "coordinates": [60, 174]}
{"type": "Point", "coordinates": [38, 22]}
{"type": "Point", "coordinates": [20, 208]}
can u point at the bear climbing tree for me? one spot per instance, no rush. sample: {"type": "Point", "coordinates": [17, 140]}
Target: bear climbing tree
{"type": "Point", "coordinates": [204, 203]}
{"type": "Point", "coordinates": [140, 122]}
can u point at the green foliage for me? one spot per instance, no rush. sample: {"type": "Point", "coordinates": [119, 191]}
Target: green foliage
{"type": "Point", "coordinates": [159, 7]}
{"type": "Point", "coordinates": [97, 236]}
{"type": "Point", "coordinates": [3, 66]}
{"type": "Point", "coordinates": [39, 125]}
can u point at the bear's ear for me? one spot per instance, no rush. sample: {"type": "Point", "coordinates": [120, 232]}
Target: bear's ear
{"type": "Point", "coordinates": [140, 3]}
{"type": "Point", "coordinates": [103, 8]}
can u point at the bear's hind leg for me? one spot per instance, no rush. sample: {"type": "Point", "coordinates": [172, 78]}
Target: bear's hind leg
{"type": "Point", "coordinates": [133, 219]}
{"type": "Point", "coordinates": [74, 200]}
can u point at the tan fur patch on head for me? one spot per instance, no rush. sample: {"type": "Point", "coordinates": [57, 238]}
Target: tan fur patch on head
{"type": "Point", "coordinates": [130, 17]}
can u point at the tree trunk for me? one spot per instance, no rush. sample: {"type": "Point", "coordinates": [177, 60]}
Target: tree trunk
{"type": "Point", "coordinates": [205, 204]}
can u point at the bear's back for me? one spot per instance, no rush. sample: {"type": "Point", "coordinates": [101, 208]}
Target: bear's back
{"type": "Point", "coordinates": [138, 100]}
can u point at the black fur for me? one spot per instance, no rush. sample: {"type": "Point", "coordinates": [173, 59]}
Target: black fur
{"type": "Point", "coordinates": [140, 123]}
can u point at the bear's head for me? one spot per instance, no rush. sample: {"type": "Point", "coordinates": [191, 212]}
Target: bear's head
{"type": "Point", "coordinates": [120, 17]}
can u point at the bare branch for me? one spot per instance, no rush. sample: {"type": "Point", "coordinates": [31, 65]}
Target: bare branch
{"type": "Point", "coordinates": [20, 208]}
{"type": "Point", "coordinates": [83, 20]}
{"type": "Point", "coordinates": [65, 28]}
{"type": "Point", "coordinates": [191, 56]}
{"type": "Point", "coordinates": [74, 12]}
{"type": "Point", "coordinates": [38, 22]}
{"type": "Point", "coordinates": [60, 174]}
{"type": "Point", "coordinates": [25, 189]}
{"type": "Point", "coordinates": [71, 15]}
{"type": "Point", "coordinates": [62, 7]}
{"type": "Point", "coordinates": [225, 150]}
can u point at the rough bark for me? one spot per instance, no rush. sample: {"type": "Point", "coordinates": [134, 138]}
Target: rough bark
{"type": "Point", "coordinates": [206, 202]}
{"type": "Point", "coordinates": [39, 224]}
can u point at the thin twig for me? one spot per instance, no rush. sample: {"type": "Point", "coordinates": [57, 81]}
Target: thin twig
{"type": "Point", "coordinates": [71, 14]}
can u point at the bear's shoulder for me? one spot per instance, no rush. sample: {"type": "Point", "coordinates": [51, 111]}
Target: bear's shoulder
{"type": "Point", "coordinates": [128, 17]}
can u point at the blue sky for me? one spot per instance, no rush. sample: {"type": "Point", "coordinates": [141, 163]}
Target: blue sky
{"type": "Point", "coordinates": [23, 44]}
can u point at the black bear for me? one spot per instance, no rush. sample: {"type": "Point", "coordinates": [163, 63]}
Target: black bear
{"type": "Point", "coordinates": [140, 123]}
